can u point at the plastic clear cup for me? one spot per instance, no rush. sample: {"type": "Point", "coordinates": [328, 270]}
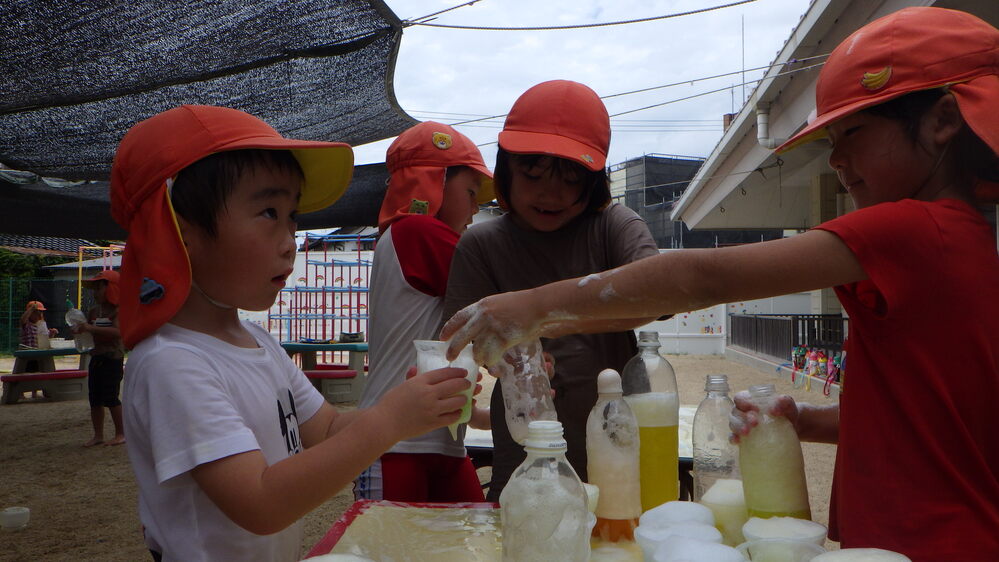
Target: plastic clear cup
{"type": "Point", "coordinates": [779, 550]}
{"type": "Point", "coordinates": [14, 518]}
{"type": "Point", "coordinates": [431, 354]}
{"type": "Point", "coordinates": [784, 528]}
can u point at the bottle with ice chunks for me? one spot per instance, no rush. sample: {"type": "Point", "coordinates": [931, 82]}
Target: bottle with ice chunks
{"type": "Point", "coordinates": [612, 461]}
{"type": "Point", "coordinates": [716, 461]}
{"type": "Point", "coordinates": [543, 506]}
{"type": "Point", "coordinates": [649, 385]}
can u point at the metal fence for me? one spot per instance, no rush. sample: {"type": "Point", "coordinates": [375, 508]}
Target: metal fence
{"type": "Point", "coordinates": [58, 296]}
{"type": "Point", "coordinates": [776, 335]}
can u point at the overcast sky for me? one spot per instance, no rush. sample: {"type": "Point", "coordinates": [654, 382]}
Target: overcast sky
{"type": "Point", "coordinates": [453, 75]}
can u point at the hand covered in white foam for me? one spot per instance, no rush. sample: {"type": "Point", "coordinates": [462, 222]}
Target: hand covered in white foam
{"type": "Point", "coordinates": [495, 323]}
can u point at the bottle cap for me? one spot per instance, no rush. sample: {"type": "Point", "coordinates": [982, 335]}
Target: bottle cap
{"type": "Point", "coordinates": [716, 383]}
{"type": "Point", "coordinates": [609, 382]}
{"type": "Point", "coordinates": [648, 338]}
{"type": "Point", "coordinates": [545, 434]}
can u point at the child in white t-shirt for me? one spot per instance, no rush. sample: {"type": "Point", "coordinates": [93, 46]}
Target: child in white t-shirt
{"type": "Point", "coordinates": [230, 443]}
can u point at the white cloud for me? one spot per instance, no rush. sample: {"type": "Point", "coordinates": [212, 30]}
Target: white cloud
{"type": "Point", "coordinates": [483, 72]}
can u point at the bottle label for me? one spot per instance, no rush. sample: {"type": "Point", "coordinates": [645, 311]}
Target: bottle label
{"type": "Point", "coordinates": [549, 446]}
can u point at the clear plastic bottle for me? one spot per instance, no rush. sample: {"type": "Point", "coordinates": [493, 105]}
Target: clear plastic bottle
{"type": "Point", "coordinates": [773, 469]}
{"type": "Point", "coordinates": [612, 461]}
{"type": "Point", "coordinates": [527, 393]}
{"type": "Point", "coordinates": [649, 384]}
{"type": "Point", "coordinates": [714, 455]}
{"type": "Point", "coordinates": [84, 341]}
{"type": "Point", "coordinates": [543, 506]}
{"type": "Point", "coordinates": [716, 461]}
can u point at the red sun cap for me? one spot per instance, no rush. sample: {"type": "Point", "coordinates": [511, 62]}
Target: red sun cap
{"type": "Point", "coordinates": [155, 271]}
{"type": "Point", "coordinates": [417, 161]}
{"type": "Point", "coordinates": [560, 118]}
{"type": "Point", "coordinates": [112, 277]}
{"type": "Point", "coordinates": [910, 50]}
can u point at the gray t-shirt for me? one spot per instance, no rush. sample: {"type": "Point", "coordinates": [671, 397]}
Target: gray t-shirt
{"type": "Point", "coordinates": [498, 256]}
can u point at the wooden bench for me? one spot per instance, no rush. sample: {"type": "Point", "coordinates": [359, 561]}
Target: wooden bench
{"type": "Point", "coordinates": [55, 385]}
{"type": "Point", "coordinates": [339, 385]}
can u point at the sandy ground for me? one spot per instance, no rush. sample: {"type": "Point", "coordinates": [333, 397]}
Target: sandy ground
{"type": "Point", "coordinates": [83, 501]}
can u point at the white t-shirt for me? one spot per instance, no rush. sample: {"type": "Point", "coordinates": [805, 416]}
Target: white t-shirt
{"type": "Point", "coordinates": [189, 399]}
{"type": "Point", "coordinates": [407, 286]}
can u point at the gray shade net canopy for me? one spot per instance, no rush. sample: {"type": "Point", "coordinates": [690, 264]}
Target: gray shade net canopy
{"type": "Point", "coordinates": [74, 77]}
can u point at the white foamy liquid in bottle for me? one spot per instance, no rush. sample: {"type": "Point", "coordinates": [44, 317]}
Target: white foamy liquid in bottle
{"type": "Point", "coordinates": [726, 501]}
{"type": "Point", "coordinates": [543, 506]}
{"type": "Point", "coordinates": [773, 471]}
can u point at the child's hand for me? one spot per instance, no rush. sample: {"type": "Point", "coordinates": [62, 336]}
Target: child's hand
{"type": "Point", "coordinates": [53, 332]}
{"type": "Point", "coordinates": [495, 323]}
{"type": "Point", "coordinates": [424, 402]}
{"type": "Point", "coordinates": [745, 415]}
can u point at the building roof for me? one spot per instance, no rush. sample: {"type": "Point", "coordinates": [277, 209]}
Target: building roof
{"type": "Point", "coordinates": [42, 245]}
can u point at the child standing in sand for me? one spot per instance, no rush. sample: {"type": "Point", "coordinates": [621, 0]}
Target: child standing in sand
{"type": "Point", "coordinates": [107, 358]}
{"type": "Point", "coordinates": [230, 443]}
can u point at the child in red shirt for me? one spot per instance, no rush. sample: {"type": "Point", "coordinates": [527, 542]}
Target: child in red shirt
{"type": "Point", "coordinates": [908, 103]}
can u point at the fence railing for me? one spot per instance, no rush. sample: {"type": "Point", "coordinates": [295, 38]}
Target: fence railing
{"type": "Point", "coordinates": [58, 296]}
{"type": "Point", "coordinates": [776, 335]}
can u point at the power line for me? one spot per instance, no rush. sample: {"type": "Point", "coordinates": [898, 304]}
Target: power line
{"type": "Point", "coordinates": [679, 99]}
{"type": "Point", "coordinates": [581, 26]}
{"type": "Point", "coordinates": [718, 90]}
{"type": "Point", "coordinates": [680, 83]}
{"type": "Point", "coordinates": [419, 20]}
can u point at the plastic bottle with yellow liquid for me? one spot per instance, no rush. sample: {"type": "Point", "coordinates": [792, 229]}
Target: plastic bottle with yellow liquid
{"type": "Point", "coordinates": [612, 461]}
{"type": "Point", "coordinates": [773, 469]}
{"type": "Point", "coordinates": [649, 385]}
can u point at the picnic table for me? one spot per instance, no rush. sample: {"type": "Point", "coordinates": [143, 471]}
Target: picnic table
{"type": "Point", "coordinates": [308, 351]}
{"type": "Point", "coordinates": [55, 385]}
{"type": "Point", "coordinates": [334, 382]}
{"type": "Point", "coordinates": [45, 358]}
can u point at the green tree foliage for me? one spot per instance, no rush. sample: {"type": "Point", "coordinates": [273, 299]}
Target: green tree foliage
{"type": "Point", "coordinates": [13, 264]}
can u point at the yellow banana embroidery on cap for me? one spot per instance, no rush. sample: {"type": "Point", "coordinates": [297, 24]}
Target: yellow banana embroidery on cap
{"type": "Point", "coordinates": [442, 141]}
{"type": "Point", "coordinates": [876, 80]}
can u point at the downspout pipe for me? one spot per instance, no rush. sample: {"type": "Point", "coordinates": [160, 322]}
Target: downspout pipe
{"type": "Point", "coordinates": [763, 127]}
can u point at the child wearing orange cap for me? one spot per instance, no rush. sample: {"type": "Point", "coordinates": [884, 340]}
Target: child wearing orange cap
{"type": "Point", "coordinates": [437, 181]}
{"type": "Point", "coordinates": [107, 358]}
{"type": "Point", "coordinates": [230, 443]}
{"type": "Point", "coordinates": [908, 103]}
{"type": "Point", "coordinates": [35, 333]}
{"type": "Point", "coordinates": [560, 223]}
